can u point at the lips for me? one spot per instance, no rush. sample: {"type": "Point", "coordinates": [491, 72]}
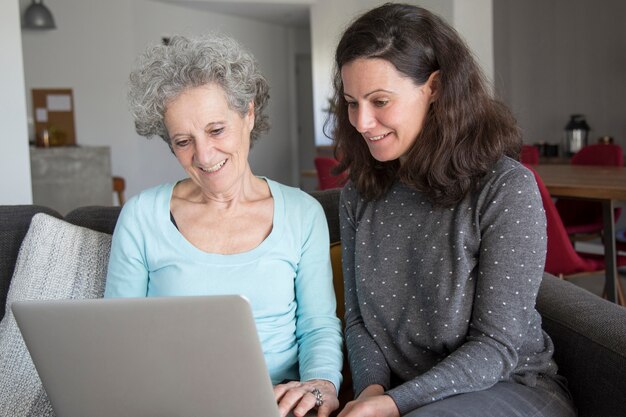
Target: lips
{"type": "Point", "coordinates": [214, 168]}
{"type": "Point", "coordinates": [377, 138]}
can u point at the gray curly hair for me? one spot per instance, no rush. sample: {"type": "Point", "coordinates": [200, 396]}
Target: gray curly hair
{"type": "Point", "coordinates": [165, 71]}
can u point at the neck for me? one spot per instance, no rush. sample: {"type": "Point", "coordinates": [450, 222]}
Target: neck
{"type": "Point", "coordinates": [245, 189]}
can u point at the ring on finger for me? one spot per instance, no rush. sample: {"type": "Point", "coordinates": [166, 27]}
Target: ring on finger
{"type": "Point", "coordinates": [319, 397]}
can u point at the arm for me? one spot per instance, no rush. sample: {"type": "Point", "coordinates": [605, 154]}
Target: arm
{"type": "Point", "coordinates": [318, 329]}
{"type": "Point", "coordinates": [370, 372]}
{"type": "Point", "coordinates": [127, 275]}
{"type": "Point", "coordinates": [367, 364]}
{"type": "Point", "coordinates": [510, 268]}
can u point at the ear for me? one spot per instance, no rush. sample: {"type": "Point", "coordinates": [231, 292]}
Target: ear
{"type": "Point", "coordinates": [433, 86]}
{"type": "Point", "coordinates": [250, 115]}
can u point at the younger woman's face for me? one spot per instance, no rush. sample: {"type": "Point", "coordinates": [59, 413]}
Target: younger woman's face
{"type": "Point", "coordinates": [386, 107]}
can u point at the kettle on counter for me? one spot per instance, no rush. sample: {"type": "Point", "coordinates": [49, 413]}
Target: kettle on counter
{"type": "Point", "coordinates": [576, 134]}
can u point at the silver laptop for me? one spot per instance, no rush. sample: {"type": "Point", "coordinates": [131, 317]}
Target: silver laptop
{"type": "Point", "coordinates": [172, 356]}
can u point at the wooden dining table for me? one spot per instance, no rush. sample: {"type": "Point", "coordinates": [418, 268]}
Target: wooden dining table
{"type": "Point", "coordinates": [606, 184]}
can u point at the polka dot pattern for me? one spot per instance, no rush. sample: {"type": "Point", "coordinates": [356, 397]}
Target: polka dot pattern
{"type": "Point", "coordinates": [443, 298]}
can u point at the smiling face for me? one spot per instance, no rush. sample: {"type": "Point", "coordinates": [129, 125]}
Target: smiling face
{"type": "Point", "coordinates": [386, 107]}
{"type": "Point", "coordinates": [210, 141]}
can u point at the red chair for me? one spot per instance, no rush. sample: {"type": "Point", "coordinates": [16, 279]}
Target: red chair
{"type": "Point", "coordinates": [325, 177]}
{"type": "Point", "coordinates": [599, 154]}
{"type": "Point", "coordinates": [562, 259]}
{"type": "Point", "coordinates": [585, 217]}
{"type": "Point", "coordinates": [119, 185]}
{"type": "Point", "coordinates": [529, 155]}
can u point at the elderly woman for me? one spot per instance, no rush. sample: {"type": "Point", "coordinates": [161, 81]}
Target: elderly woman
{"type": "Point", "coordinates": [224, 230]}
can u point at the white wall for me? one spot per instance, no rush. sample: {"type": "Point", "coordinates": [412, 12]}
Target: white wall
{"type": "Point", "coordinates": [302, 140]}
{"type": "Point", "coordinates": [329, 18]}
{"type": "Point", "coordinates": [93, 49]}
{"type": "Point", "coordinates": [15, 183]}
{"type": "Point", "coordinates": [474, 21]}
{"type": "Point", "coordinates": [558, 58]}
{"type": "Point", "coordinates": [92, 52]}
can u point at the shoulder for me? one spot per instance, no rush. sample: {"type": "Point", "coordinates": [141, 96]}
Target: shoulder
{"type": "Point", "coordinates": [349, 193]}
{"type": "Point", "coordinates": [509, 171]}
{"type": "Point", "coordinates": [298, 211]}
{"type": "Point", "coordinates": [294, 198]}
{"type": "Point", "coordinates": [508, 184]}
{"type": "Point", "coordinates": [147, 203]}
{"type": "Point", "coordinates": [398, 194]}
{"type": "Point", "coordinates": [152, 195]}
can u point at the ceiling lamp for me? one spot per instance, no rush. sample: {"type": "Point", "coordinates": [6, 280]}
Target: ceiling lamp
{"type": "Point", "coordinates": [38, 16]}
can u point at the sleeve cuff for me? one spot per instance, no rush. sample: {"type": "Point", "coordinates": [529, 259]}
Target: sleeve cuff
{"type": "Point", "coordinates": [335, 379]}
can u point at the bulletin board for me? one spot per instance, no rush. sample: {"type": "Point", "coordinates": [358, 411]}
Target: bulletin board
{"type": "Point", "coordinates": [53, 114]}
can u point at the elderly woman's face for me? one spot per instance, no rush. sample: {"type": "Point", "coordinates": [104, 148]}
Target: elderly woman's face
{"type": "Point", "coordinates": [210, 140]}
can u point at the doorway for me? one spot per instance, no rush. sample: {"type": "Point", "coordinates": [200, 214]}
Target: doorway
{"type": "Point", "coordinates": [305, 129]}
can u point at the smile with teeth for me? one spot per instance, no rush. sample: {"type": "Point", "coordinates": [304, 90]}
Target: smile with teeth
{"type": "Point", "coordinates": [214, 167]}
{"type": "Point", "coordinates": [379, 137]}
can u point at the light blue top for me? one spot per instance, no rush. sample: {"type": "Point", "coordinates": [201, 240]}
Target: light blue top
{"type": "Point", "coordinates": [287, 278]}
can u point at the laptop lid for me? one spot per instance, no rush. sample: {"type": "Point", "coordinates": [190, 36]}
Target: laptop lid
{"type": "Point", "coordinates": [170, 356]}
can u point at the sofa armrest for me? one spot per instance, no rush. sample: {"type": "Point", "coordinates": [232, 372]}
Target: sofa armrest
{"type": "Point", "coordinates": [589, 335]}
{"type": "Point", "coordinates": [329, 199]}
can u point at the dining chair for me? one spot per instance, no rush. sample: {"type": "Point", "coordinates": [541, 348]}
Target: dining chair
{"type": "Point", "coordinates": [585, 217]}
{"type": "Point", "coordinates": [326, 178]}
{"type": "Point", "coordinates": [119, 185]}
{"type": "Point", "coordinates": [529, 155]}
{"type": "Point", "coordinates": [562, 259]}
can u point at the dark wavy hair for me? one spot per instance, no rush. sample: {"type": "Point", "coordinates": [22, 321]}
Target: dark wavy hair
{"type": "Point", "coordinates": [466, 130]}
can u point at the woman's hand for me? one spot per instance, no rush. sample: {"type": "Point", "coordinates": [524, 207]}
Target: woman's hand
{"type": "Point", "coordinates": [370, 391]}
{"type": "Point", "coordinates": [372, 402]}
{"type": "Point", "coordinates": [299, 397]}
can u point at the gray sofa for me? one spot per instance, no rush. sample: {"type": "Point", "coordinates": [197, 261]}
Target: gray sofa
{"type": "Point", "coordinates": [589, 333]}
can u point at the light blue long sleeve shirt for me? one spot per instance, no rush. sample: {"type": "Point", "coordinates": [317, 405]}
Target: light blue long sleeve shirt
{"type": "Point", "coordinates": [287, 278]}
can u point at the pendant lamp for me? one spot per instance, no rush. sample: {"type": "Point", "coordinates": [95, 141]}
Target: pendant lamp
{"type": "Point", "coordinates": [37, 16]}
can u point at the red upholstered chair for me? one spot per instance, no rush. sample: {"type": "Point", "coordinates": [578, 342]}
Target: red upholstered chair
{"type": "Point", "coordinates": [599, 154]}
{"type": "Point", "coordinates": [585, 217]}
{"type": "Point", "coordinates": [529, 155]}
{"type": "Point", "coordinates": [326, 179]}
{"type": "Point", "coordinates": [562, 259]}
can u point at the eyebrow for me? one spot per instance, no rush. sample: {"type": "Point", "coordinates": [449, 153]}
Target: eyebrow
{"type": "Point", "coordinates": [371, 92]}
{"type": "Point", "coordinates": [208, 126]}
{"type": "Point", "coordinates": [212, 124]}
{"type": "Point", "coordinates": [178, 135]}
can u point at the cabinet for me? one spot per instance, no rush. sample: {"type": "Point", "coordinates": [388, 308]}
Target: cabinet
{"type": "Point", "coordinates": [64, 178]}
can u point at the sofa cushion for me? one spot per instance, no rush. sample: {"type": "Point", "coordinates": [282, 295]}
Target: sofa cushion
{"type": "Point", "coordinates": [56, 260]}
{"type": "Point", "coordinates": [14, 223]}
{"type": "Point", "coordinates": [100, 218]}
{"type": "Point", "coordinates": [346, 393]}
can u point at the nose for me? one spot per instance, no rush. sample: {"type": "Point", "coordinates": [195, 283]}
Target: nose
{"type": "Point", "coordinates": [203, 151]}
{"type": "Point", "coordinates": [364, 119]}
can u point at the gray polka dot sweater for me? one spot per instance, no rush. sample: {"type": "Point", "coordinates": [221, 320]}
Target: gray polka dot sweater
{"type": "Point", "coordinates": [441, 301]}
